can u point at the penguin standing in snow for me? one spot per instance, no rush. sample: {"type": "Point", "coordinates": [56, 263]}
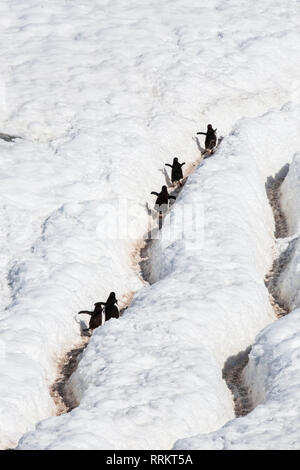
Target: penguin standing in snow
{"type": "Point", "coordinates": [162, 203]}
{"type": "Point", "coordinates": [96, 316]}
{"type": "Point", "coordinates": [176, 174]}
{"type": "Point", "coordinates": [111, 310]}
{"type": "Point", "coordinates": [210, 139]}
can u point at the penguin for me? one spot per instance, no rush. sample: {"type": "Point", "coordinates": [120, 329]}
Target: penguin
{"type": "Point", "coordinates": [211, 138]}
{"type": "Point", "coordinates": [96, 316]}
{"type": "Point", "coordinates": [162, 201]}
{"type": "Point", "coordinates": [111, 310]}
{"type": "Point", "coordinates": [176, 174]}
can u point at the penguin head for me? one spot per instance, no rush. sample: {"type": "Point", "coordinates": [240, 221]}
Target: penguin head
{"type": "Point", "coordinates": [98, 307]}
{"type": "Point", "coordinates": [112, 296]}
{"type": "Point", "coordinates": [175, 160]}
{"type": "Point", "coordinates": [209, 127]}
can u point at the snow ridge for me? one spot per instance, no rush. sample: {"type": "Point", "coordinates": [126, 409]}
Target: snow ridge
{"type": "Point", "coordinates": [272, 372]}
{"type": "Point", "coordinates": [101, 94]}
{"type": "Point", "coordinates": [208, 304]}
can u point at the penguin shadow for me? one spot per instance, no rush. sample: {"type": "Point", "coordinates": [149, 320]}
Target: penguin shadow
{"type": "Point", "coordinates": [167, 178]}
{"type": "Point", "coordinates": [152, 232]}
{"type": "Point", "coordinates": [220, 140]}
{"type": "Point", "coordinates": [200, 148]}
{"type": "Point", "coordinates": [85, 332]}
{"type": "Point", "coordinates": [148, 209]}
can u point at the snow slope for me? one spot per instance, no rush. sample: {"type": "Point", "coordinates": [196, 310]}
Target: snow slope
{"type": "Point", "coordinates": [157, 372]}
{"type": "Point", "coordinates": [290, 280]}
{"type": "Point", "coordinates": [272, 373]}
{"type": "Point", "coordinates": [102, 94]}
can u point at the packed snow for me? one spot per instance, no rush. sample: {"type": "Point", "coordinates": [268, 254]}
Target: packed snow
{"type": "Point", "coordinates": [289, 286]}
{"type": "Point", "coordinates": [157, 372]}
{"type": "Point", "coordinates": [272, 374]}
{"type": "Point", "coordinates": [102, 94]}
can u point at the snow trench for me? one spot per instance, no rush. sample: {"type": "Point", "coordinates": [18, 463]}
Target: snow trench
{"type": "Point", "coordinates": [233, 372]}
{"type": "Point", "coordinates": [69, 261]}
{"type": "Point", "coordinates": [60, 390]}
{"type": "Point", "coordinates": [143, 255]}
{"type": "Point", "coordinates": [271, 375]}
{"type": "Point", "coordinates": [156, 374]}
{"type": "Point", "coordinates": [97, 99]}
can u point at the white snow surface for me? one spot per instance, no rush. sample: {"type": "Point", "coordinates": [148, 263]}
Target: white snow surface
{"type": "Point", "coordinates": [157, 372]}
{"type": "Point", "coordinates": [103, 94]}
{"type": "Point", "coordinates": [273, 371]}
{"type": "Point", "coordinates": [289, 285]}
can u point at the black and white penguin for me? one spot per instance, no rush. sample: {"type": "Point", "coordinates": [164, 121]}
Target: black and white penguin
{"type": "Point", "coordinates": [176, 174]}
{"type": "Point", "coordinates": [211, 138]}
{"type": "Point", "coordinates": [110, 309]}
{"type": "Point", "coordinates": [96, 316]}
{"type": "Point", "coordinates": [162, 201]}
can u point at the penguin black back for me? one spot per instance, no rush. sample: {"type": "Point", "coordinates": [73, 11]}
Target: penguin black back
{"type": "Point", "coordinates": [95, 320]}
{"type": "Point", "coordinates": [111, 310]}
